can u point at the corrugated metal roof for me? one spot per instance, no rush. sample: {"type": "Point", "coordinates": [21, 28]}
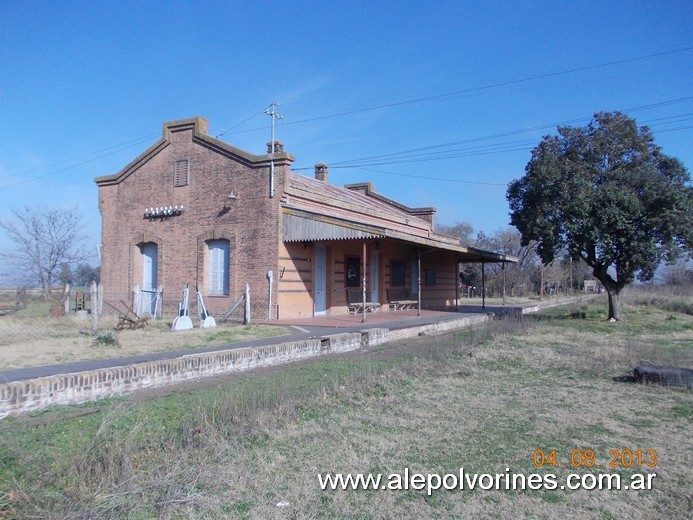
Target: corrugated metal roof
{"type": "Point", "coordinates": [315, 210]}
{"type": "Point", "coordinates": [300, 229]}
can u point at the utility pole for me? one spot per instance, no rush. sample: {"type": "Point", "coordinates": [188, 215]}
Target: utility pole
{"type": "Point", "coordinates": [271, 111]}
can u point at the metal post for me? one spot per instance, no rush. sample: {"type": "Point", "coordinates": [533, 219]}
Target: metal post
{"type": "Point", "coordinates": [457, 285]}
{"type": "Point", "coordinates": [503, 267]}
{"type": "Point", "coordinates": [483, 286]}
{"type": "Point", "coordinates": [270, 111]}
{"type": "Point", "coordinates": [418, 283]}
{"type": "Point", "coordinates": [363, 284]}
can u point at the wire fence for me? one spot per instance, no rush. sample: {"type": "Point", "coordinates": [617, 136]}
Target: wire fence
{"type": "Point", "coordinates": [33, 322]}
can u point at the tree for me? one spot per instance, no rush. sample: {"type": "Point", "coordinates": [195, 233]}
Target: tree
{"type": "Point", "coordinates": [81, 276]}
{"type": "Point", "coordinates": [463, 230]}
{"type": "Point", "coordinates": [84, 274]}
{"type": "Point", "coordinates": [607, 194]}
{"type": "Point", "coordinates": [44, 239]}
{"type": "Point", "coordinates": [508, 242]}
{"type": "Point", "coordinates": [679, 273]}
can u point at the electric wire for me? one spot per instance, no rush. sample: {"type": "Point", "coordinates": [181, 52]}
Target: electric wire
{"type": "Point", "coordinates": [480, 88]}
{"type": "Point", "coordinates": [117, 148]}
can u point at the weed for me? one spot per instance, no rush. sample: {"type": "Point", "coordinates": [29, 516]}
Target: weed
{"type": "Point", "coordinates": [106, 339]}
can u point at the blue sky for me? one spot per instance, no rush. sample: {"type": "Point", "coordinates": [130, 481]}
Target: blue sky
{"type": "Point", "coordinates": [460, 91]}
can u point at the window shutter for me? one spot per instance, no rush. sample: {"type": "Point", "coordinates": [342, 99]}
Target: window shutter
{"type": "Point", "coordinates": [219, 267]}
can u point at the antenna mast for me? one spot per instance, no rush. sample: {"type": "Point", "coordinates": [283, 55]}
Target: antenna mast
{"type": "Point", "coordinates": [270, 111]}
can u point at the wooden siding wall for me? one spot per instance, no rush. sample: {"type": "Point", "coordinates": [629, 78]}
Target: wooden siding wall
{"type": "Point", "coordinates": [295, 281]}
{"type": "Point", "coordinates": [295, 285]}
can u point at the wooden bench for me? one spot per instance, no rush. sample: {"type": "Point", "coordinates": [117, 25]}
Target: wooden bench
{"type": "Point", "coordinates": [355, 302]}
{"type": "Point", "coordinates": [400, 299]}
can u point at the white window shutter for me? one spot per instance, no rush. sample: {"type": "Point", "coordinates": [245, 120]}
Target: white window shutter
{"type": "Point", "coordinates": [219, 267]}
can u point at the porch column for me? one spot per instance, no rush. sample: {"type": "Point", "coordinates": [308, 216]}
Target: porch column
{"type": "Point", "coordinates": [503, 267]}
{"type": "Point", "coordinates": [363, 283]}
{"type": "Point", "coordinates": [456, 270]}
{"type": "Point", "coordinates": [483, 286]}
{"type": "Point", "coordinates": [418, 283]}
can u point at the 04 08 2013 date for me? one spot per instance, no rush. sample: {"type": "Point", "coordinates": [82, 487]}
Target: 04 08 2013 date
{"type": "Point", "coordinates": [588, 459]}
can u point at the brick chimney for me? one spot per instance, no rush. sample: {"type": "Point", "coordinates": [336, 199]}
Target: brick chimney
{"type": "Point", "coordinates": [321, 172]}
{"type": "Point", "coordinates": [278, 147]}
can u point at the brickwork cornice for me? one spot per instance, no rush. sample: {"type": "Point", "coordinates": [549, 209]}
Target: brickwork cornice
{"type": "Point", "coordinates": [199, 127]}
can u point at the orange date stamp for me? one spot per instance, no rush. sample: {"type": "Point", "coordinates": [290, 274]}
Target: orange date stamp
{"type": "Point", "coordinates": [588, 459]}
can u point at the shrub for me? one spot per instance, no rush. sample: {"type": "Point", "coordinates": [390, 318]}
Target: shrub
{"type": "Point", "coordinates": [107, 339]}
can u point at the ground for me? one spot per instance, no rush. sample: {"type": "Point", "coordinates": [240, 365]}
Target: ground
{"type": "Point", "coordinates": [39, 340]}
{"type": "Point", "coordinates": [30, 338]}
{"type": "Point", "coordinates": [486, 399]}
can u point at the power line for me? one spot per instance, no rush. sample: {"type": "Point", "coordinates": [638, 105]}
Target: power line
{"type": "Point", "coordinates": [388, 105]}
{"type": "Point", "coordinates": [433, 178]}
{"type": "Point", "coordinates": [239, 124]}
{"type": "Point", "coordinates": [116, 148]}
{"type": "Point", "coordinates": [31, 179]}
{"type": "Point", "coordinates": [400, 156]}
{"type": "Point", "coordinates": [483, 87]}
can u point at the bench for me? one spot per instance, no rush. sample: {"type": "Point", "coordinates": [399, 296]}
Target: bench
{"type": "Point", "coordinates": [355, 302]}
{"type": "Point", "coordinates": [400, 299]}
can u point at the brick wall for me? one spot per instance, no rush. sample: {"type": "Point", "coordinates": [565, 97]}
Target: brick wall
{"type": "Point", "coordinates": [227, 197]}
{"type": "Point", "coordinates": [25, 396]}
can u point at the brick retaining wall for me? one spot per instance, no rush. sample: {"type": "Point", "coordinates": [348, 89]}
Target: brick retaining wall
{"type": "Point", "coordinates": [26, 396]}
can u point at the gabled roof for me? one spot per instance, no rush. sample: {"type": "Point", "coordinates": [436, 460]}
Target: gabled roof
{"type": "Point", "coordinates": [315, 210]}
{"type": "Point", "coordinates": [199, 127]}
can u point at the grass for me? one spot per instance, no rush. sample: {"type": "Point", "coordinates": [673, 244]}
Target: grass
{"type": "Point", "coordinates": [31, 338]}
{"type": "Point", "coordinates": [482, 399]}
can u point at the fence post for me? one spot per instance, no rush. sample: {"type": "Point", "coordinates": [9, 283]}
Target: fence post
{"type": "Point", "coordinates": [136, 300]}
{"type": "Point", "coordinates": [246, 316]}
{"type": "Point", "coordinates": [94, 304]}
{"type": "Point", "coordinates": [66, 294]}
{"type": "Point", "coordinates": [160, 302]}
{"type": "Point", "coordinates": [99, 298]}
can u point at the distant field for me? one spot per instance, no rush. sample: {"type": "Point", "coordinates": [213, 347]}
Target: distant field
{"type": "Point", "coordinates": [485, 399]}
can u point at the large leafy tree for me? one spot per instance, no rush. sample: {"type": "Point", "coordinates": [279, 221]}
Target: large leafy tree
{"type": "Point", "coordinates": [609, 195]}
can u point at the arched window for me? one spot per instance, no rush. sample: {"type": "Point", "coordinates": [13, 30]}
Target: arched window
{"type": "Point", "coordinates": [218, 267]}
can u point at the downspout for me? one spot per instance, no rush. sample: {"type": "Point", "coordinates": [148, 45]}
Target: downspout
{"type": "Point", "coordinates": [270, 278]}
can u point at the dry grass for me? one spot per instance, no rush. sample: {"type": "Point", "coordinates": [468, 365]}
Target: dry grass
{"type": "Point", "coordinates": [483, 400]}
{"type": "Point", "coordinates": [39, 340]}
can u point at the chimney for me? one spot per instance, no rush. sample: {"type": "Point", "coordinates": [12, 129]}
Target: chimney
{"type": "Point", "coordinates": [278, 147]}
{"type": "Point", "coordinates": [321, 172]}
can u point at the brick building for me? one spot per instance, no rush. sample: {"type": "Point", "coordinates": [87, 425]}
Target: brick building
{"type": "Point", "coordinates": [193, 209]}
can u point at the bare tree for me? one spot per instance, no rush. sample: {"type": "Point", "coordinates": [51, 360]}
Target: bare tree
{"type": "Point", "coordinates": [679, 273]}
{"type": "Point", "coordinates": [508, 242]}
{"type": "Point", "coordinates": [44, 239]}
{"type": "Point", "coordinates": [463, 230]}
